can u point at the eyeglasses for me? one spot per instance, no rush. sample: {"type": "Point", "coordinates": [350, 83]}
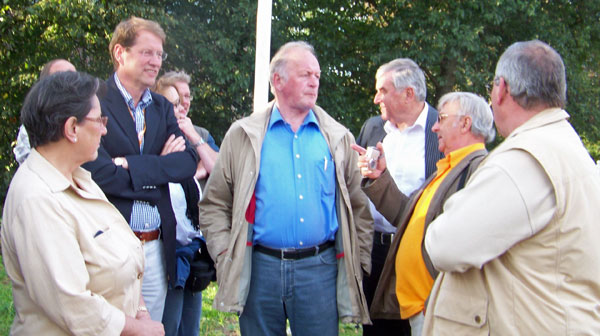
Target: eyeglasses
{"type": "Point", "coordinates": [189, 97]}
{"type": "Point", "coordinates": [147, 53]}
{"type": "Point", "coordinates": [444, 116]}
{"type": "Point", "coordinates": [102, 120]}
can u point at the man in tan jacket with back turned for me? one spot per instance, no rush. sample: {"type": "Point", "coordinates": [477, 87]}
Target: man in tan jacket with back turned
{"type": "Point", "coordinates": [518, 246]}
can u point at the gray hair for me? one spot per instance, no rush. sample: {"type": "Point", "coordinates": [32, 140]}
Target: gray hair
{"type": "Point", "coordinates": [53, 100]}
{"type": "Point", "coordinates": [406, 73]}
{"type": "Point", "coordinates": [279, 61]}
{"type": "Point", "coordinates": [475, 107]}
{"type": "Point", "coordinates": [173, 77]}
{"type": "Point", "coordinates": [535, 73]}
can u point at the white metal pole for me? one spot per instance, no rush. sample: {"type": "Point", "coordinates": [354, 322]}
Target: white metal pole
{"type": "Point", "coordinates": [263, 54]}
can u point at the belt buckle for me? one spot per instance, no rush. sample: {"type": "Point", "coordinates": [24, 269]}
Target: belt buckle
{"type": "Point", "coordinates": [283, 251]}
{"type": "Point", "coordinates": [316, 250]}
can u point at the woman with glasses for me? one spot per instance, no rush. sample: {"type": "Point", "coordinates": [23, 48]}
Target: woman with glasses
{"type": "Point", "coordinates": [75, 265]}
{"type": "Point", "coordinates": [183, 304]}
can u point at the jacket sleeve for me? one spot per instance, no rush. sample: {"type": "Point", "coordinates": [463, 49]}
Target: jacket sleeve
{"type": "Point", "coordinates": [361, 213]}
{"type": "Point", "coordinates": [473, 230]}
{"type": "Point", "coordinates": [386, 197]}
{"type": "Point", "coordinates": [217, 201]}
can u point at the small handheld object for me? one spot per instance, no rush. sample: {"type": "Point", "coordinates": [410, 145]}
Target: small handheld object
{"type": "Point", "coordinates": [372, 156]}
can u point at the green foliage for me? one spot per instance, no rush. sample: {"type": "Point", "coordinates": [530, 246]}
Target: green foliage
{"type": "Point", "coordinates": [7, 311]}
{"type": "Point", "coordinates": [457, 43]}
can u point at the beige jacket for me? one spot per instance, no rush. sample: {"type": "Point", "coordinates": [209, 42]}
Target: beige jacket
{"type": "Point", "coordinates": [75, 265]}
{"type": "Point", "coordinates": [228, 193]}
{"type": "Point", "coordinates": [547, 282]}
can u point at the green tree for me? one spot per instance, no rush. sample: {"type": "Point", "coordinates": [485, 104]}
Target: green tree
{"type": "Point", "coordinates": [457, 43]}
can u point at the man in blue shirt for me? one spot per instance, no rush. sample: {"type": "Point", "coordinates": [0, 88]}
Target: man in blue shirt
{"type": "Point", "coordinates": [283, 213]}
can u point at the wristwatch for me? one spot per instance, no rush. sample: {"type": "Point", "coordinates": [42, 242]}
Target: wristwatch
{"type": "Point", "coordinates": [119, 161]}
{"type": "Point", "coordinates": [199, 142]}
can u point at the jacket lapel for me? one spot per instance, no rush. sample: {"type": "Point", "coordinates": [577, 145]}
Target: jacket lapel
{"type": "Point", "coordinates": [114, 107]}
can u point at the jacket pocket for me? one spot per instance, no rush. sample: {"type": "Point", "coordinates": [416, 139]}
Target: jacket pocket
{"type": "Point", "coordinates": [457, 307]}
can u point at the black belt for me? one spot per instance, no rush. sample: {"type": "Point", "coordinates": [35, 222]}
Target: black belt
{"type": "Point", "coordinates": [383, 238]}
{"type": "Point", "coordinates": [294, 253]}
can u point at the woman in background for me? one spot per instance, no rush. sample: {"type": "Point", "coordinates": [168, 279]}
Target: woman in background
{"type": "Point", "coordinates": [183, 306]}
{"type": "Point", "coordinates": [75, 265]}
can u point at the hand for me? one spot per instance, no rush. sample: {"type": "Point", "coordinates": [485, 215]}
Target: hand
{"type": "Point", "coordinates": [173, 145]}
{"type": "Point", "coordinates": [142, 327]}
{"type": "Point", "coordinates": [200, 171]}
{"type": "Point", "coordinates": [186, 126]}
{"type": "Point", "coordinates": [151, 328]}
{"type": "Point", "coordinates": [121, 162]}
{"type": "Point", "coordinates": [363, 165]}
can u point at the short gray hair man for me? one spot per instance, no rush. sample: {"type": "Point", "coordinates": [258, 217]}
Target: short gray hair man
{"type": "Point", "coordinates": [406, 73]}
{"type": "Point", "coordinates": [475, 107]}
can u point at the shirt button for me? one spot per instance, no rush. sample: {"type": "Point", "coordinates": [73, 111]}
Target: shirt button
{"type": "Point", "coordinates": [301, 197]}
{"type": "Point", "coordinates": [301, 243]}
{"type": "Point", "coordinates": [297, 156]}
{"type": "Point", "coordinates": [477, 319]}
{"type": "Point", "coordinates": [299, 176]}
{"type": "Point", "coordinates": [301, 220]}
{"type": "Point", "coordinates": [295, 136]}
{"type": "Point", "coordinates": [140, 275]}
{"type": "Point", "coordinates": [146, 225]}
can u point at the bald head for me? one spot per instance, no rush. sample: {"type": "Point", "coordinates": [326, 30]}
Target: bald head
{"type": "Point", "coordinates": [56, 65]}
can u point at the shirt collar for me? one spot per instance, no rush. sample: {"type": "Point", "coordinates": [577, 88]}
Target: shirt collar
{"type": "Point", "coordinates": [419, 123]}
{"type": "Point", "coordinates": [56, 181]}
{"type": "Point", "coordinates": [276, 116]}
{"type": "Point", "coordinates": [456, 156]}
{"type": "Point", "coordinates": [144, 102]}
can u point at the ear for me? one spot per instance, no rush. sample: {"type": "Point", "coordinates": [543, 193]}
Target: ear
{"type": "Point", "coordinates": [410, 93]}
{"type": "Point", "coordinates": [118, 51]}
{"type": "Point", "coordinates": [503, 91]}
{"type": "Point", "coordinates": [278, 81]}
{"type": "Point", "coordinates": [465, 124]}
{"type": "Point", "coordinates": [70, 129]}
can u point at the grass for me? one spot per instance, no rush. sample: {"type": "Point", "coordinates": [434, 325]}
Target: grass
{"type": "Point", "coordinates": [213, 323]}
{"type": "Point", "coordinates": [7, 311]}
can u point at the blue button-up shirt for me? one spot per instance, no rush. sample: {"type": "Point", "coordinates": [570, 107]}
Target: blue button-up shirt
{"type": "Point", "coordinates": [295, 191]}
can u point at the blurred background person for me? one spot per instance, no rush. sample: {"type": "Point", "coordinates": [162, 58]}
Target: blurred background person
{"type": "Point", "coordinates": [181, 81]}
{"type": "Point", "coordinates": [74, 263]}
{"type": "Point", "coordinates": [183, 305]}
{"type": "Point", "coordinates": [22, 148]}
{"type": "Point", "coordinates": [198, 136]}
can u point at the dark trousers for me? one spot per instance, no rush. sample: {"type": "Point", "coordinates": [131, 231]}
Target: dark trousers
{"type": "Point", "coordinates": [381, 327]}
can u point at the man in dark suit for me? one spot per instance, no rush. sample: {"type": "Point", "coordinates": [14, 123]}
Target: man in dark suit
{"type": "Point", "coordinates": [411, 150]}
{"type": "Point", "coordinates": [142, 152]}
{"type": "Point", "coordinates": [465, 123]}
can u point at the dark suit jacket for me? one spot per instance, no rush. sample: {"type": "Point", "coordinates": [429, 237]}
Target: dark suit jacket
{"type": "Point", "coordinates": [398, 208]}
{"type": "Point", "coordinates": [372, 132]}
{"type": "Point", "coordinates": [148, 174]}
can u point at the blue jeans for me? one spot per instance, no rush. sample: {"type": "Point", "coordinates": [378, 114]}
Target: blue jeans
{"type": "Point", "coordinates": [182, 312]}
{"type": "Point", "coordinates": [302, 291]}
